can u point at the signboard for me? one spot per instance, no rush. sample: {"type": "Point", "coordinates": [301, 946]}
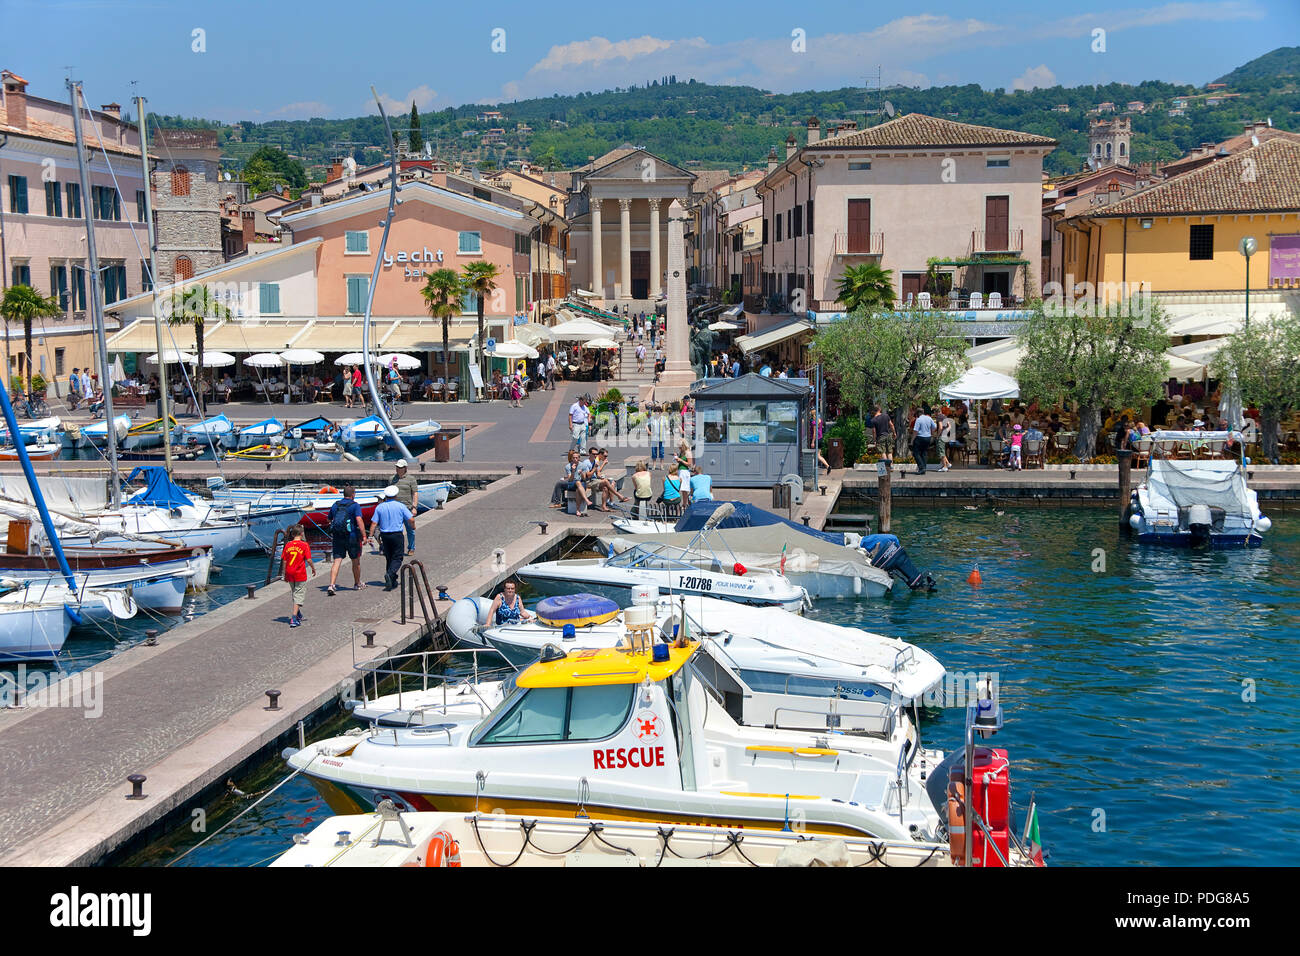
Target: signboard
{"type": "Point", "coordinates": [403, 258]}
{"type": "Point", "coordinates": [491, 345]}
{"type": "Point", "coordinates": [475, 375]}
{"type": "Point", "coordinates": [1284, 259]}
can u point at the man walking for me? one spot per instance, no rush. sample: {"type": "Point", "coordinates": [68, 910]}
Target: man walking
{"type": "Point", "coordinates": [348, 531]}
{"type": "Point", "coordinates": [408, 493]}
{"type": "Point", "coordinates": [923, 429]}
{"type": "Point", "coordinates": [578, 420]}
{"type": "Point", "coordinates": [391, 516]}
{"type": "Point", "coordinates": [74, 389]}
{"type": "Point", "coordinates": [883, 426]}
{"type": "Point", "coordinates": [640, 358]}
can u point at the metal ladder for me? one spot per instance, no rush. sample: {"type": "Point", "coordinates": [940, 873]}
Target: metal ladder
{"type": "Point", "coordinates": [416, 585]}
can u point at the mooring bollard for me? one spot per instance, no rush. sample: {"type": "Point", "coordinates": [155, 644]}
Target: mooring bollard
{"type": "Point", "coordinates": [519, 469]}
{"type": "Point", "coordinates": [543, 524]}
{"type": "Point", "coordinates": [370, 638]}
{"type": "Point", "coordinates": [252, 591]}
{"type": "Point", "coordinates": [421, 466]}
{"type": "Point", "coordinates": [274, 696]}
{"type": "Point", "coordinates": [137, 786]}
{"type": "Point", "coordinates": [442, 592]}
{"type": "Point", "coordinates": [806, 519]}
{"type": "Point", "coordinates": [151, 638]}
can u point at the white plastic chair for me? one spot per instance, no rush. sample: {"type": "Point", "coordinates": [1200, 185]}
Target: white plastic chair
{"type": "Point", "coordinates": [977, 300]}
{"type": "Point", "coordinates": [923, 300]}
{"type": "Point", "coordinates": [995, 300]}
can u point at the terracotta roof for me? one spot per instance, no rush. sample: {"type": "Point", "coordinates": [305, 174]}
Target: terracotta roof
{"type": "Point", "coordinates": [1232, 145]}
{"type": "Point", "coordinates": [1263, 178]}
{"type": "Point", "coordinates": [612, 156]}
{"type": "Point", "coordinates": [187, 138]}
{"type": "Point", "coordinates": [709, 179]}
{"type": "Point", "coordinates": [917, 129]}
{"type": "Point", "coordinates": [37, 129]}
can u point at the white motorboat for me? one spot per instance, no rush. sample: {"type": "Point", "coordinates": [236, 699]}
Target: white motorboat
{"type": "Point", "coordinates": [96, 433]}
{"type": "Point", "coordinates": [217, 430]}
{"type": "Point", "coordinates": [645, 736]}
{"type": "Point", "coordinates": [389, 837]}
{"type": "Point", "coordinates": [1189, 500]}
{"type": "Point", "coordinates": [37, 615]}
{"type": "Point", "coordinates": [266, 432]}
{"type": "Point", "coordinates": [43, 431]}
{"type": "Point", "coordinates": [36, 451]}
{"type": "Point", "coordinates": [416, 433]}
{"type": "Point", "coordinates": [315, 500]}
{"type": "Point", "coordinates": [363, 432]}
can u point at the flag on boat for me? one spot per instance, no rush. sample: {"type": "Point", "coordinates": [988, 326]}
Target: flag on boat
{"type": "Point", "coordinates": [783, 547]}
{"type": "Point", "coordinates": [1032, 836]}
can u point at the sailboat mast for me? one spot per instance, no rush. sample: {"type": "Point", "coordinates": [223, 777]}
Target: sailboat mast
{"type": "Point", "coordinates": [96, 300]}
{"type": "Point", "coordinates": [153, 272]}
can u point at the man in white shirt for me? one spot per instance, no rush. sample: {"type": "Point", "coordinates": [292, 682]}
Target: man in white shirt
{"type": "Point", "coordinates": [550, 371]}
{"type": "Point", "coordinates": [578, 421]}
{"type": "Point", "coordinates": [922, 430]}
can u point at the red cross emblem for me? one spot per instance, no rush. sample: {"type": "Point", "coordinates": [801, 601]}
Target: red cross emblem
{"type": "Point", "coordinates": [647, 726]}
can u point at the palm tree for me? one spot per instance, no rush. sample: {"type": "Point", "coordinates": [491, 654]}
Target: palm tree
{"type": "Point", "coordinates": [479, 279]}
{"type": "Point", "coordinates": [443, 290]}
{"type": "Point", "coordinates": [866, 288]}
{"type": "Point", "coordinates": [26, 303]}
{"type": "Point", "coordinates": [195, 306]}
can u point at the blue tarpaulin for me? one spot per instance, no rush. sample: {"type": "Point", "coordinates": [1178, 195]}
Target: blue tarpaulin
{"type": "Point", "coordinates": [159, 489]}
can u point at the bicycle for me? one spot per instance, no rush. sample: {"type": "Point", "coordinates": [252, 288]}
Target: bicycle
{"type": "Point", "coordinates": [35, 407]}
{"type": "Point", "coordinates": [392, 408]}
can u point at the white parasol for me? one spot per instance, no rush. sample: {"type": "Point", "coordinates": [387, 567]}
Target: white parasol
{"type": "Point", "coordinates": [514, 350]}
{"type": "Point", "coordinates": [301, 356]}
{"type": "Point", "coordinates": [404, 362]}
{"type": "Point", "coordinates": [172, 357]}
{"type": "Point", "coordinates": [264, 360]}
{"type": "Point", "coordinates": [216, 359]}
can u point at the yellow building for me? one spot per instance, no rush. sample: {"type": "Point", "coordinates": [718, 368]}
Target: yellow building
{"type": "Point", "coordinates": [1179, 238]}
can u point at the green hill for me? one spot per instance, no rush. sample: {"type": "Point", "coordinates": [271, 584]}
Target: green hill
{"type": "Point", "coordinates": [705, 126]}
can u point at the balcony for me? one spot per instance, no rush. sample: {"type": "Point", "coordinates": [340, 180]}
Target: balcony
{"type": "Point", "coordinates": [984, 243]}
{"type": "Point", "coordinates": [858, 244]}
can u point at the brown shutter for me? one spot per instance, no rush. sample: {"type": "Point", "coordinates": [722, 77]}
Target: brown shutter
{"type": "Point", "coordinates": [997, 221]}
{"type": "Point", "coordinates": [859, 226]}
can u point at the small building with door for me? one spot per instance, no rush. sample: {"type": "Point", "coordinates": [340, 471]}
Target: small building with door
{"type": "Point", "coordinates": [752, 431]}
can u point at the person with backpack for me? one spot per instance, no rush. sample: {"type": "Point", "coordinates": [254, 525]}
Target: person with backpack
{"type": "Point", "coordinates": [348, 531]}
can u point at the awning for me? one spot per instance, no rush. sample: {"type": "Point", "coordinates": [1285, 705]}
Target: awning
{"type": "Point", "coordinates": [140, 336]}
{"type": "Point", "coordinates": [769, 337]}
{"type": "Point", "coordinates": [427, 337]}
{"type": "Point", "coordinates": [1001, 356]}
{"type": "Point", "coordinates": [235, 336]}
{"type": "Point", "coordinates": [734, 310]}
{"type": "Point", "coordinates": [980, 383]}
{"type": "Point", "coordinates": [330, 336]}
{"type": "Point", "coordinates": [1207, 321]}
{"type": "Point", "coordinates": [1201, 352]}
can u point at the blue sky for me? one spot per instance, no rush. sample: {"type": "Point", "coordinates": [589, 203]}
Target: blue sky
{"type": "Point", "coordinates": [292, 60]}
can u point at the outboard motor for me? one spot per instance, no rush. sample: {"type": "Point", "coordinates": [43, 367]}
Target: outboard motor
{"type": "Point", "coordinates": [1199, 523]}
{"type": "Point", "coordinates": [888, 554]}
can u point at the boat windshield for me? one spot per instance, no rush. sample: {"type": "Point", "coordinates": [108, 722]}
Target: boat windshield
{"type": "Point", "coordinates": [642, 557]}
{"type": "Point", "coordinates": [538, 715]}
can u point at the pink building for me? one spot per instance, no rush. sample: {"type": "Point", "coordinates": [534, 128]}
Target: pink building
{"type": "Point", "coordinates": [44, 232]}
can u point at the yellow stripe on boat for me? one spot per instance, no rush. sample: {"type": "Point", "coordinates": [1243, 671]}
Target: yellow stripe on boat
{"type": "Point", "coordinates": [798, 751]}
{"type": "Point", "coordinates": [604, 666]}
{"type": "Point", "coordinates": [770, 796]}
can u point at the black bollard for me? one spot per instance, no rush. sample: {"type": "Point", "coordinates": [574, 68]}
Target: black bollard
{"type": "Point", "coordinates": [421, 466]}
{"type": "Point", "coordinates": [806, 519]}
{"type": "Point", "coordinates": [137, 786]}
{"type": "Point", "coordinates": [519, 469]}
{"type": "Point", "coordinates": [252, 591]}
{"type": "Point", "coordinates": [442, 593]}
{"type": "Point", "coordinates": [543, 524]}
{"type": "Point", "coordinates": [151, 638]}
{"type": "Point", "coordinates": [274, 696]}
{"type": "Point", "coordinates": [370, 638]}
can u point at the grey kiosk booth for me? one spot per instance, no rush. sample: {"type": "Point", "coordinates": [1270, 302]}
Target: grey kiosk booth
{"type": "Point", "coordinates": [752, 431]}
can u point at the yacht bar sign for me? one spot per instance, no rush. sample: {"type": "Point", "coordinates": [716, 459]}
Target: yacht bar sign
{"type": "Point", "coordinates": [404, 258]}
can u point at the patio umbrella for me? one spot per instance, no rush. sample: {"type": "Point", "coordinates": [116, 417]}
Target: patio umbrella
{"type": "Point", "coordinates": [723, 326]}
{"type": "Point", "coordinates": [172, 357]}
{"type": "Point", "coordinates": [601, 343]}
{"type": "Point", "coordinates": [354, 358]}
{"type": "Point", "coordinates": [579, 330]}
{"type": "Point", "coordinates": [216, 359]}
{"type": "Point", "coordinates": [264, 360]}
{"type": "Point", "coordinates": [979, 384]}
{"type": "Point", "coordinates": [301, 357]}
{"type": "Point", "coordinates": [404, 362]}
{"type": "Point", "coordinates": [514, 350]}
{"type": "Point", "coordinates": [533, 334]}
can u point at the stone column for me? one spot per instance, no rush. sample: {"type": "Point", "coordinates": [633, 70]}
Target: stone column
{"type": "Point", "coordinates": [655, 268]}
{"type": "Point", "coordinates": [597, 267]}
{"type": "Point", "coordinates": [678, 376]}
{"type": "Point", "coordinates": [625, 247]}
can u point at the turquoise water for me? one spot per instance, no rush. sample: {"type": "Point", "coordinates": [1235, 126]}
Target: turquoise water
{"type": "Point", "coordinates": [1122, 688]}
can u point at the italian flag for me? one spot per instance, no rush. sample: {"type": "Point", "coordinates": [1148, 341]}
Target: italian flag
{"type": "Point", "coordinates": [783, 547]}
{"type": "Point", "coordinates": [1032, 837]}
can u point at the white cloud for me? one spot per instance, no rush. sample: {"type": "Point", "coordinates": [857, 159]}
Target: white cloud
{"type": "Point", "coordinates": [599, 50]}
{"type": "Point", "coordinates": [304, 110]}
{"type": "Point", "coordinates": [1034, 77]}
{"type": "Point", "coordinates": [1113, 21]}
{"type": "Point", "coordinates": [422, 96]}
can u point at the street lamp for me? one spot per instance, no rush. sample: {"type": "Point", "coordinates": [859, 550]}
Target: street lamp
{"type": "Point", "coordinates": [1247, 248]}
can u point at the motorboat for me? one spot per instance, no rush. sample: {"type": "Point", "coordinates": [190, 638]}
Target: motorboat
{"type": "Point", "coordinates": [389, 837]}
{"type": "Point", "coordinates": [42, 431]}
{"type": "Point", "coordinates": [316, 500]}
{"type": "Point", "coordinates": [37, 451]}
{"type": "Point", "coordinates": [217, 430]}
{"type": "Point", "coordinates": [884, 551]}
{"type": "Point", "coordinates": [266, 432]}
{"type": "Point", "coordinates": [259, 453]}
{"type": "Point", "coordinates": [1190, 498]}
{"type": "Point", "coordinates": [416, 434]}
{"type": "Point", "coordinates": [96, 433]}
{"type": "Point", "coordinates": [150, 434]}
{"type": "Point", "coordinates": [364, 432]}
{"type": "Point", "coordinates": [822, 569]}
{"type": "Point", "coordinates": [771, 651]}
{"type": "Point", "coordinates": [642, 734]}
{"type": "Point", "coordinates": [671, 570]}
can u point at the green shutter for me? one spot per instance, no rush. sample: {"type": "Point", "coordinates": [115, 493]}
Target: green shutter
{"type": "Point", "coordinates": [18, 194]}
{"type": "Point", "coordinates": [74, 200]}
{"type": "Point", "coordinates": [269, 293]}
{"type": "Point", "coordinates": [357, 241]}
{"type": "Point", "coordinates": [80, 274]}
{"type": "Point", "coordinates": [358, 287]}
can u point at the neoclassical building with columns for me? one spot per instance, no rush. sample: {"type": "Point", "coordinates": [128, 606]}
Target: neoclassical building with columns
{"type": "Point", "coordinates": [623, 198]}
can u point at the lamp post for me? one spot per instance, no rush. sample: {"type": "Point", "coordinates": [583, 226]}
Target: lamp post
{"type": "Point", "coordinates": [1247, 248]}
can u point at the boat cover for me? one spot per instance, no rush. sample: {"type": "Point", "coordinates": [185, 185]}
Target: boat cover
{"type": "Point", "coordinates": [746, 516]}
{"type": "Point", "coordinates": [159, 489]}
{"type": "Point", "coordinates": [312, 425]}
{"type": "Point", "coordinates": [268, 426]}
{"type": "Point", "coordinates": [1216, 483]}
{"type": "Point", "coordinates": [216, 425]}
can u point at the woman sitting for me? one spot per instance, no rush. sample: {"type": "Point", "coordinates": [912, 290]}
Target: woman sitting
{"type": "Point", "coordinates": [508, 606]}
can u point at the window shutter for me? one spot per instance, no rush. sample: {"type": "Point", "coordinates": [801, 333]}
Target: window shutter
{"type": "Point", "coordinates": [270, 298]}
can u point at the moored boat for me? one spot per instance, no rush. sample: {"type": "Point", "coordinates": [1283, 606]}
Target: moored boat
{"type": "Point", "coordinates": [37, 451]}
{"type": "Point", "coordinates": [363, 432]}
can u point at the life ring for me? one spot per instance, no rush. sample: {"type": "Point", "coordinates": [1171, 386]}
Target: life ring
{"type": "Point", "coordinates": [329, 490]}
{"type": "Point", "coordinates": [580, 610]}
{"type": "Point", "coordinates": [957, 821]}
{"type": "Point", "coordinates": [443, 850]}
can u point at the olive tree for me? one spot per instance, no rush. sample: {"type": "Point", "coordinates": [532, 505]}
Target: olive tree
{"type": "Point", "coordinates": [1266, 360]}
{"type": "Point", "coordinates": [897, 359]}
{"type": "Point", "coordinates": [1109, 356]}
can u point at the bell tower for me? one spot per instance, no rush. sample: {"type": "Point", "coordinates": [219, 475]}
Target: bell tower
{"type": "Point", "coordinates": [1109, 142]}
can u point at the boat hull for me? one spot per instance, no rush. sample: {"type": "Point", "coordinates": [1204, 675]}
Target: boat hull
{"type": "Point", "coordinates": [558, 581]}
{"type": "Point", "coordinates": [33, 633]}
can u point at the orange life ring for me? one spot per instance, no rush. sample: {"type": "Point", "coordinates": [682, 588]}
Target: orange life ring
{"type": "Point", "coordinates": [329, 490]}
{"type": "Point", "coordinates": [443, 850]}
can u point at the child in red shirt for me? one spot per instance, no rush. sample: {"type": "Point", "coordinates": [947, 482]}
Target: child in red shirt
{"type": "Point", "coordinates": [296, 559]}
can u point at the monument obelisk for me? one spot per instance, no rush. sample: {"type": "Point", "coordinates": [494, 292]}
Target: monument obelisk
{"type": "Point", "coordinates": [677, 376]}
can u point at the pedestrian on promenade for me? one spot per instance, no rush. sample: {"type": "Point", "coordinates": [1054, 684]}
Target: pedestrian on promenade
{"type": "Point", "coordinates": [408, 493]}
{"type": "Point", "coordinates": [947, 440]}
{"type": "Point", "coordinates": [923, 430]}
{"type": "Point", "coordinates": [391, 518]}
{"type": "Point", "coordinates": [642, 490]}
{"type": "Point", "coordinates": [701, 485]}
{"type": "Point", "coordinates": [296, 559]}
{"type": "Point", "coordinates": [658, 434]}
{"type": "Point", "coordinates": [640, 358]}
{"type": "Point", "coordinates": [579, 418]}
{"type": "Point", "coordinates": [347, 387]}
{"type": "Point", "coordinates": [74, 389]}
{"type": "Point", "coordinates": [883, 425]}
{"type": "Point", "coordinates": [348, 534]}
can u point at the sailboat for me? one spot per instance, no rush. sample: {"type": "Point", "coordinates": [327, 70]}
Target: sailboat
{"type": "Point", "coordinates": [37, 616]}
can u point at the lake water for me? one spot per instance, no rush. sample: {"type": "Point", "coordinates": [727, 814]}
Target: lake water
{"type": "Point", "coordinates": [1152, 697]}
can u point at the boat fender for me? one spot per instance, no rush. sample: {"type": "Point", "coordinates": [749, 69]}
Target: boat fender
{"type": "Point", "coordinates": [348, 456]}
{"type": "Point", "coordinates": [443, 850]}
